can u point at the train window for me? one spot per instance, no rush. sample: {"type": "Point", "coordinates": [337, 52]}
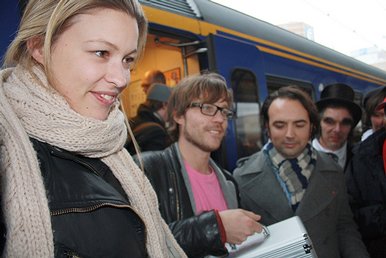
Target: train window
{"type": "Point", "coordinates": [248, 129]}
{"type": "Point", "coordinates": [274, 83]}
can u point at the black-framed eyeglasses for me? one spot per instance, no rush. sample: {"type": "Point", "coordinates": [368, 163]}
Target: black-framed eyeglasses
{"type": "Point", "coordinates": [211, 110]}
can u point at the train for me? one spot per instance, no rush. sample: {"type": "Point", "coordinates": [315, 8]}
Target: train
{"type": "Point", "coordinates": [255, 57]}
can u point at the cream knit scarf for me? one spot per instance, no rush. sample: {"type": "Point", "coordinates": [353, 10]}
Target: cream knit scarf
{"type": "Point", "coordinates": [31, 108]}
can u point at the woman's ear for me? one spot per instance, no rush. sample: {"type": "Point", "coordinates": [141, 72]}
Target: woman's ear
{"type": "Point", "coordinates": [35, 48]}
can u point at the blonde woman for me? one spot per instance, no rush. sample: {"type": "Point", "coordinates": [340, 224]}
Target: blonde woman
{"type": "Point", "coordinates": [68, 187]}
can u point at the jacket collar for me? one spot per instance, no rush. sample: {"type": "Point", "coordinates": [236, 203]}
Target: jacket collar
{"type": "Point", "coordinates": [319, 194]}
{"type": "Point", "coordinates": [373, 145]}
{"type": "Point", "coordinates": [253, 164]}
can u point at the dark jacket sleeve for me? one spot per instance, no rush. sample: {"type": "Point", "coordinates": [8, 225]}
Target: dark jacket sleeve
{"type": "Point", "coordinates": [199, 235]}
{"type": "Point", "coordinates": [365, 200]}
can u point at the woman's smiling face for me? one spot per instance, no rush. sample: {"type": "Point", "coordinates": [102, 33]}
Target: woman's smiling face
{"type": "Point", "coordinates": [91, 60]}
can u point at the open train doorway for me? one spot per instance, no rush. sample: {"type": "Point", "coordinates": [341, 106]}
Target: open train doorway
{"type": "Point", "coordinates": [164, 54]}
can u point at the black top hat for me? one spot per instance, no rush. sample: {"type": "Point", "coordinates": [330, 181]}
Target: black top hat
{"type": "Point", "coordinates": [342, 95]}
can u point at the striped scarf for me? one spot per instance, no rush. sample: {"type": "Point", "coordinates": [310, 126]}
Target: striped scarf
{"type": "Point", "coordinates": [294, 173]}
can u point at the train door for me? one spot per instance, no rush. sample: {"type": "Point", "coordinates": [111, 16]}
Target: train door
{"type": "Point", "coordinates": [161, 53]}
{"type": "Point", "coordinates": [242, 65]}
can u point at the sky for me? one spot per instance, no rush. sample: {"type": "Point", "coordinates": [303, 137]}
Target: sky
{"type": "Point", "coordinates": [343, 25]}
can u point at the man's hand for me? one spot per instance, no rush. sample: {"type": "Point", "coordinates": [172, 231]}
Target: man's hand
{"type": "Point", "coordinates": [239, 224]}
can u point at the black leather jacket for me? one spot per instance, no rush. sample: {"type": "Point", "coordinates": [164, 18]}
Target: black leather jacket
{"type": "Point", "coordinates": [366, 185]}
{"type": "Point", "coordinates": [198, 235]}
{"type": "Point", "coordinates": [90, 213]}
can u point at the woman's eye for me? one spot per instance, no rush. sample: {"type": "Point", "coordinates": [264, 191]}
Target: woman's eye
{"type": "Point", "coordinates": [101, 53]}
{"type": "Point", "coordinates": [128, 62]}
{"type": "Point", "coordinates": [128, 59]}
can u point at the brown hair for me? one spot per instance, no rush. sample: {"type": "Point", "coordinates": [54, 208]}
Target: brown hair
{"type": "Point", "coordinates": [209, 87]}
{"type": "Point", "coordinates": [292, 92]}
{"type": "Point", "coordinates": [370, 105]}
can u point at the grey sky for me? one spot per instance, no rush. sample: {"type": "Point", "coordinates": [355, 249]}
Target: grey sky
{"type": "Point", "coordinates": [343, 25]}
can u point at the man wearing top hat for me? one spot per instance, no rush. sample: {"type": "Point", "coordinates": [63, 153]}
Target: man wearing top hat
{"type": "Point", "coordinates": [366, 185]}
{"type": "Point", "coordinates": [339, 115]}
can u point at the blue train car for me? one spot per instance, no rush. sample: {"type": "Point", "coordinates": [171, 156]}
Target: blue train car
{"type": "Point", "coordinates": [255, 57]}
{"type": "Point", "coordinates": [10, 13]}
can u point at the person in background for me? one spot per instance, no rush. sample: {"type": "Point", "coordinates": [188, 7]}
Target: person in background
{"type": "Point", "coordinates": [374, 118]}
{"type": "Point", "coordinates": [288, 177]}
{"type": "Point", "coordinates": [339, 115]}
{"type": "Point", "coordinates": [366, 185]}
{"type": "Point", "coordinates": [152, 76]}
{"type": "Point", "coordinates": [149, 126]}
{"type": "Point", "coordinates": [197, 198]}
{"type": "Point", "coordinates": [68, 186]}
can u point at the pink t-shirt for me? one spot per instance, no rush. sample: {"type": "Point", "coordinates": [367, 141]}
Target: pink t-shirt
{"type": "Point", "coordinates": [206, 190]}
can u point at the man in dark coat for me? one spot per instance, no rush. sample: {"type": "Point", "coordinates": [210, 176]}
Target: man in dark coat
{"type": "Point", "coordinates": [366, 184]}
{"type": "Point", "coordinates": [149, 126]}
{"type": "Point", "coordinates": [339, 115]}
{"type": "Point", "coordinates": [290, 178]}
{"type": "Point", "coordinates": [196, 197]}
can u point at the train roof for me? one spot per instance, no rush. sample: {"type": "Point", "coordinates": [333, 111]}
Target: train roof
{"type": "Point", "coordinates": [223, 16]}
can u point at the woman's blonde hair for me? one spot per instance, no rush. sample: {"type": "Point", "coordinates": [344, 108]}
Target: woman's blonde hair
{"type": "Point", "coordinates": [47, 19]}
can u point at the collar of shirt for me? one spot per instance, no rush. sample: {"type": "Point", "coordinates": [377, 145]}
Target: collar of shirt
{"type": "Point", "coordinates": [340, 153]}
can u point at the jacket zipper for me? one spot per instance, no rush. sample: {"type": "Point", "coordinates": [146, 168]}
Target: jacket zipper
{"type": "Point", "coordinates": [174, 180]}
{"type": "Point", "coordinates": [71, 254]}
{"type": "Point", "coordinates": [93, 207]}
{"type": "Point", "coordinates": [89, 209]}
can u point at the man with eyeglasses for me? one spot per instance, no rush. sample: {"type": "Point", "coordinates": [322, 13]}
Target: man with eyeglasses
{"type": "Point", "coordinates": [339, 115]}
{"type": "Point", "coordinates": [197, 198]}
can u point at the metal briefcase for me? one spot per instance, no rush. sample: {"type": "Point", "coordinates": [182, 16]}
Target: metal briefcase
{"type": "Point", "coordinates": [287, 238]}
